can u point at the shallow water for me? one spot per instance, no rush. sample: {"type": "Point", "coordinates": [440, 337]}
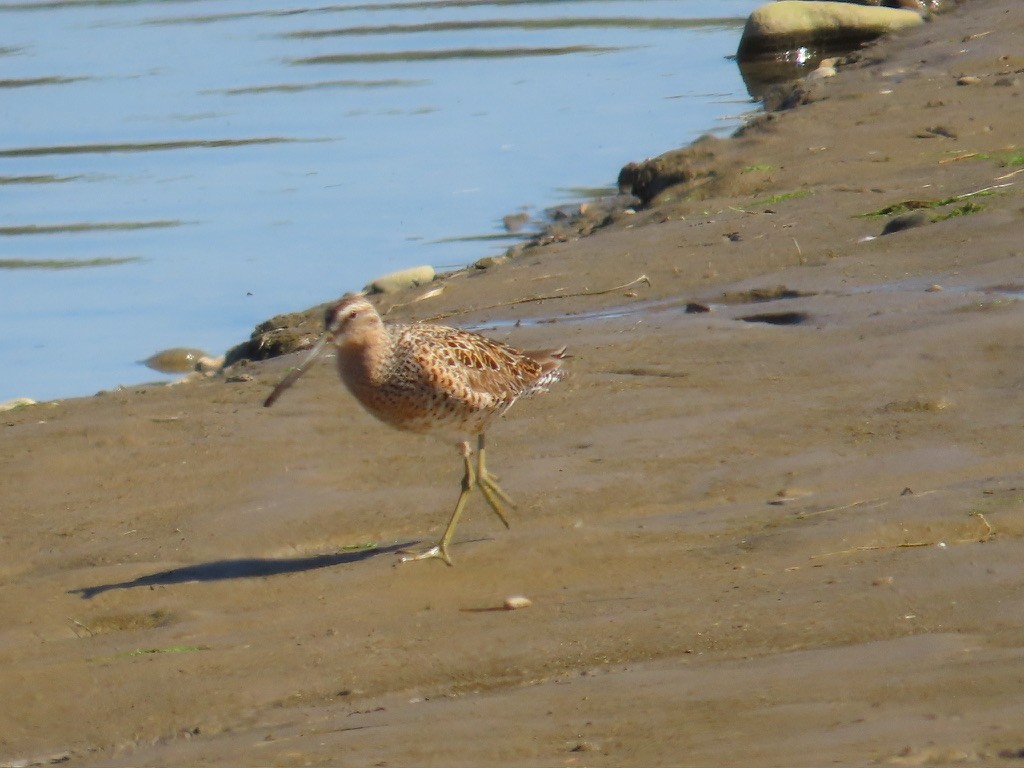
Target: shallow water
{"type": "Point", "coordinates": [174, 172]}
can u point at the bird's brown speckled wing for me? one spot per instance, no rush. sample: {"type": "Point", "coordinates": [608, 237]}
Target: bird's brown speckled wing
{"type": "Point", "coordinates": [482, 366]}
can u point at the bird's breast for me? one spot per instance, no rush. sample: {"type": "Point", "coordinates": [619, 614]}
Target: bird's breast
{"type": "Point", "coordinates": [412, 399]}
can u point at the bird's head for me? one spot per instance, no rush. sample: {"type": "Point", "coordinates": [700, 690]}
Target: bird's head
{"type": "Point", "coordinates": [351, 324]}
{"type": "Point", "coordinates": [351, 320]}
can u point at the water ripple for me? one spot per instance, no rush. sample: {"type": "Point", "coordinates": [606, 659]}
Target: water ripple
{"type": "Point", "coordinates": [86, 226]}
{"type": "Point", "coordinates": [28, 82]}
{"type": "Point", "coordinates": [522, 24]}
{"type": "Point", "coordinates": [451, 53]}
{"type": "Point", "coordinates": [39, 179]}
{"type": "Point", "coordinates": [412, 5]}
{"type": "Point", "coordinates": [322, 84]}
{"type": "Point", "coordinates": [146, 146]}
{"type": "Point", "coordinates": [56, 264]}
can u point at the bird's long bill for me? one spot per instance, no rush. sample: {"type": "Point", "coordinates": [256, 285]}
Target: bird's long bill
{"type": "Point", "coordinates": [294, 373]}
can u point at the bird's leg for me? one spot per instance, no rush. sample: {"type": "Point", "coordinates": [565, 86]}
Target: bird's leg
{"type": "Point", "coordinates": [488, 484]}
{"type": "Point", "coordinates": [440, 550]}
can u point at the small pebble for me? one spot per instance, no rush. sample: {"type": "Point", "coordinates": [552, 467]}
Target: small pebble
{"type": "Point", "coordinates": [516, 602]}
{"type": "Point", "coordinates": [821, 73]}
{"type": "Point", "coordinates": [968, 80]}
{"type": "Point", "coordinates": [208, 365]}
{"type": "Point", "coordinates": [936, 404]}
{"type": "Point", "coordinates": [788, 494]}
{"type": "Point", "coordinates": [582, 746]}
{"type": "Point", "coordinates": [936, 131]}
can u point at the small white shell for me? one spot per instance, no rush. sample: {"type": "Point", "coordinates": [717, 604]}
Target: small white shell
{"type": "Point", "coordinates": [514, 602]}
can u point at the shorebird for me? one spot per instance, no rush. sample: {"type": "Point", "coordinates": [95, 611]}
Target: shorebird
{"type": "Point", "coordinates": [432, 379]}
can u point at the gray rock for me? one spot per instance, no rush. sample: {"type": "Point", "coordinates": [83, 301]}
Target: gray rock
{"type": "Point", "coordinates": [405, 278]}
{"type": "Point", "coordinates": [791, 24]}
{"type": "Point", "coordinates": [176, 360]}
{"type": "Point", "coordinates": [515, 222]}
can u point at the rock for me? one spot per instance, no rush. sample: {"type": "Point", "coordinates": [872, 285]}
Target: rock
{"type": "Point", "coordinates": [779, 97]}
{"type": "Point", "coordinates": [404, 278]}
{"type": "Point", "coordinates": [914, 5]}
{"type": "Point", "coordinates": [514, 222]}
{"type": "Point", "coordinates": [515, 602]}
{"type": "Point", "coordinates": [184, 360]}
{"type": "Point", "coordinates": [791, 24]}
{"type": "Point", "coordinates": [181, 360]}
{"type": "Point", "coordinates": [208, 365]}
{"type": "Point", "coordinates": [280, 335]}
{"type": "Point", "coordinates": [936, 131]}
{"type": "Point", "coordinates": [687, 166]}
{"type": "Point", "coordinates": [487, 262]}
{"type": "Point", "coordinates": [822, 72]}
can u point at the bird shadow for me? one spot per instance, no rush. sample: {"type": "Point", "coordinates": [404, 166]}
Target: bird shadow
{"type": "Point", "coordinates": [241, 568]}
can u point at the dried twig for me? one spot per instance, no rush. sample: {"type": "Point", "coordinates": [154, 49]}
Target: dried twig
{"type": "Point", "coordinates": [1011, 174]}
{"type": "Point", "coordinates": [982, 191]}
{"type": "Point", "coordinates": [989, 530]}
{"type": "Point", "coordinates": [876, 502]}
{"type": "Point", "coordinates": [630, 284]}
{"type": "Point", "coordinates": [989, 533]}
{"type": "Point", "coordinates": [77, 623]}
{"type": "Point", "coordinates": [422, 297]}
{"type": "Point", "coordinates": [966, 156]}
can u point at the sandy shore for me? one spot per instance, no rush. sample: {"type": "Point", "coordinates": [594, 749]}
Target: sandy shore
{"type": "Point", "coordinates": [792, 541]}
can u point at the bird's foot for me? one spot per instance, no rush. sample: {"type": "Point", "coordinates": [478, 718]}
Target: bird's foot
{"type": "Point", "coordinates": [494, 495]}
{"type": "Point", "coordinates": [440, 551]}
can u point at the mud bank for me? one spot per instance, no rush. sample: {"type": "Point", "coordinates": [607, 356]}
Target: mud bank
{"type": "Point", "coordinates": [745, 541]}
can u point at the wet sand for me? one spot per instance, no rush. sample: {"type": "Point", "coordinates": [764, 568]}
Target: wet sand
{"type": "Point", "coordinates": [792, 541]}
